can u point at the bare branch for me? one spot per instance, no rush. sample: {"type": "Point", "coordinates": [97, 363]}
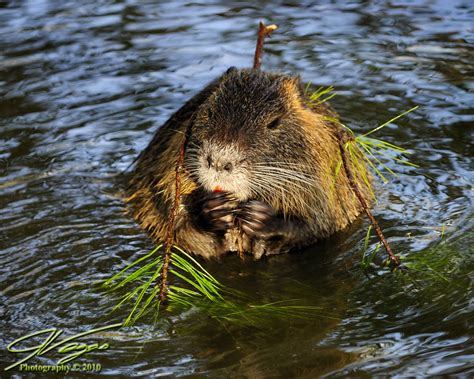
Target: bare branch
{"type": "Point", "coordinates": [263, 31]}
{"type": "Point", "coordinates": [163, 293]}
{"type": "Point", "coordinates": [341, 137]}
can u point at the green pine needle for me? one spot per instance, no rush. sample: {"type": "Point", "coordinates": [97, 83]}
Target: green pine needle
{"type": "Point", "coordinates": [363, 148]}
{"type": "Point", "coordinates": [372, 151]}
{"type": "Point", "coordinates": [317, 97]}
{"type": "Point", "coordinates": [201, 289]}
{"type": "Point", "coordinates": [389, 121]}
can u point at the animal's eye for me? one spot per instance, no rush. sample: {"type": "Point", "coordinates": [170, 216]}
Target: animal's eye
{"type": "Point", "coordinates": [274, 124]}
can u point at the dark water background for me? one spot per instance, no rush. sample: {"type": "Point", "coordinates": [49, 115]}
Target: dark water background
{"type": "Point", "coordinates": [84, 85]}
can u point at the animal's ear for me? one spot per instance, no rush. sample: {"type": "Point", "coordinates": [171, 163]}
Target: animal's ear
{"type": "Point", "coordinates": [292, 88]}
{"type": "Point", "coordinates": [230, 70]}
{"type": "Point", "coordinates": [292, 83]}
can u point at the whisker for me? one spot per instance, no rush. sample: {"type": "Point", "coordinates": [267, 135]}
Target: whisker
{"type": "Point", "coordinates": [310, 181]}
{"type": "Point", "coordinates": [282, 164]}
{"type": "Point", "coordinates": [263, 186]}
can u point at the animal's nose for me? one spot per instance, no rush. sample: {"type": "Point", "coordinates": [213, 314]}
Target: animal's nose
{"type": "Point", "coordinates": [219, 164]}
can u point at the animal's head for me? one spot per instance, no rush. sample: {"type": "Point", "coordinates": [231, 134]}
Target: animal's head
{"type": "Point", "coordinates": [249, 138]}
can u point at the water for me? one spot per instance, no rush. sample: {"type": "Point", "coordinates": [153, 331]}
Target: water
{"type": "Point", "coordinates": [83, 88]}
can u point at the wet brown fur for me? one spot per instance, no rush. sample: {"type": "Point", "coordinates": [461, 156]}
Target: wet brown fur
{"type": "Point", "coordinates": [307, 138]}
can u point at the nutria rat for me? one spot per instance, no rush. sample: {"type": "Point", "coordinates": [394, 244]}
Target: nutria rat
{"type": "Point", "coordinates": [259, 169]}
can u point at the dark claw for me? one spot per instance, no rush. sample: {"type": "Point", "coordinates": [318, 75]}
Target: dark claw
{"type": "Point", "coordinates": [255, 217]}
{"type": "Point", "coordinates": [219, 200]}
{"type": "Point", "coordinates": [258, 207]}
{"type": "Point", "coordinates": [218, 211]}
{"type": "Point", "coordinates": [252, 228]}
{"type": "Point", "coordinates": [225, 215]}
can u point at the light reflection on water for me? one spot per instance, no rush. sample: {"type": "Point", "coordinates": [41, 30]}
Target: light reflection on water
{"type": "Point", "coordinates": [83, 88]}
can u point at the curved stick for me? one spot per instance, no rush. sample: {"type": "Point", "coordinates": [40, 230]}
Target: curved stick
{"type": "Point", "coordinates": [341, 138]}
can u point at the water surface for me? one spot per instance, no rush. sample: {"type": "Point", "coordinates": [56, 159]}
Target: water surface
{"type": "Point", "coordinates": [84, 87]}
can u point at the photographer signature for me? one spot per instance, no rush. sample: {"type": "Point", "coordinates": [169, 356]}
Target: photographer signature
{"type": "Point", "coordinates": [68, 346]}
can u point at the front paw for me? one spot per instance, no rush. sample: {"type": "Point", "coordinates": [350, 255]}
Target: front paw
{"type": "Point", "coordinates": [255, 218]}
{"type": "Point", "coordinates": [218, 211]}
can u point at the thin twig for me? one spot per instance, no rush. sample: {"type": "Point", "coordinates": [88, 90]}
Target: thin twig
{"type": "Point", "coordinates": [341, 137]}
{"type": "Point", "coordinates": [163, 293]}
{"type": "Point", "coordinates": [263, 31]}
